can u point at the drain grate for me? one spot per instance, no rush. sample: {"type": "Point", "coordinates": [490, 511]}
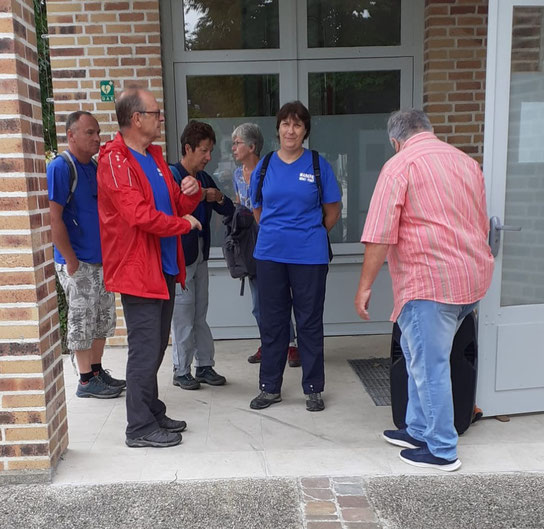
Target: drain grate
{"type": "Point", "coordinates": [374, 374]}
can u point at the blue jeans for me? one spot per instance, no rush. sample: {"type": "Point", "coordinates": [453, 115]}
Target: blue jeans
{"type": "Point", "coordinates": [428, 329]}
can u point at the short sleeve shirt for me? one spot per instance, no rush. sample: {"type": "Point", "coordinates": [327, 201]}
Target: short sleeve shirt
{"type": "Point", "coordinates": [241, 187]}
{"type": "Point", "coordinates": [291, 227]}
{"type": "Point", "coordinates": [162, 203]}
{"type": "Point", "coordinates": [80, 215]}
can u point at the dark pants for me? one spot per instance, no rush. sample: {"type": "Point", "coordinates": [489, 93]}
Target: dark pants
{"type": "Point", "coordinates": [282, 286]}
{"type": "Point", "coordinates": [148, 329]}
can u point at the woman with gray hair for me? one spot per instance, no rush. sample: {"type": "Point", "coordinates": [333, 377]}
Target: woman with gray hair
{"type": "Point", "coordinates": [247, 143]}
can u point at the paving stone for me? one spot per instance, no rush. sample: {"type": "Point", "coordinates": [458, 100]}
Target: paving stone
{"type": "Point", "coordinates": [353, 501]}
{"type": "Point", "coordinates": [358, 515]}
{"type": "Point", "coordinates": [320, 494]}
{"type": "Point", "coordinates": [320, 507]}
{"type": "Point", "coordinates": [315, 483]}
{"type": "Point", "coordinates": [324, 525]}
{"type": "Point", "coordinates": [347, 479]}
{"type": "Point", "coordinates": [322, 517]}
{"type": "Point", "coordinates": [362, 525]}
{"type": "Point", "coordinates": [348, 489]}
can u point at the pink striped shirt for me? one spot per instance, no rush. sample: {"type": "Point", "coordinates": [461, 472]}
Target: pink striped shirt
{"type": "Point", "coordinates": [429, 205]}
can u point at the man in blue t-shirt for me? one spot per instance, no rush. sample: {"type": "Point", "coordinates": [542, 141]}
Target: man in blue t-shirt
{"type": "Point", "coordinates": [71, 182]}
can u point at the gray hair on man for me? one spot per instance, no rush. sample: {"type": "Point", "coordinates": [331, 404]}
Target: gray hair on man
{"type": "Point", "coordinates": [128, 102]}
{"type": "Point", "coordinates": [250, 134]}
{"type": "Point", "coordinates": [403, 124]}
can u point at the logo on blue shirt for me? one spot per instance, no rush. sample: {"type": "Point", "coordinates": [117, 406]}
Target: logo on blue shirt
{"type": "Point", "coordinates": [306, 177]}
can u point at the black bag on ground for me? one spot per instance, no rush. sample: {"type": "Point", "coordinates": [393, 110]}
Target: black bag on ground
{"type": "Point", "coordinates": [463, 364]}
{"type": "Point", "coordinates": [240, 239]}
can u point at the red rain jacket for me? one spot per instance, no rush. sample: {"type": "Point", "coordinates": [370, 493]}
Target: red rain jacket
{"type": "Point", "coordinates": [131, 227]}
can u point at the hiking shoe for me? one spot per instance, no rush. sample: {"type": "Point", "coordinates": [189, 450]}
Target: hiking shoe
{"type": "Point", "coordinates": [172, 425]}
{"type": "Point", "coordinates": [97, 389]}
{"type": "Point", "coordinates": [314, 402]}
{"type": "Point", "coordinates": [421, 457]}
{"type": "Point", "coordinates": [293, 356]}
{"type": "Point", "coordinates": [186, 381]}
{"type": "Point", "coordinates": [160, 438]}
{"type": "Point", "coordinates": [256, 358]}
{"type": "Point", "coordinates": [402, 438]}
{"type": "Point", "coordinates": [208, 375]}
{"type": "Point", "coordinates": [104, 374]}
{"type": "Point", "coordinates": [264, 399]}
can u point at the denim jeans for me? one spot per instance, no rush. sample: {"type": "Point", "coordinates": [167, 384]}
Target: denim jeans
{"type": "Point", "coordinates": [428, 329]}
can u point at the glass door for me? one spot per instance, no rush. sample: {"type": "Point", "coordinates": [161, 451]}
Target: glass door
{"type": "Point", "coordinates": [512, 314]}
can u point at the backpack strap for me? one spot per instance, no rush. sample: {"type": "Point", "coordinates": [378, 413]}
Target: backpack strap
{"type": "Point", "coordinates": [317, 175]}
{"type": "Point", "coordinates": [262, 174]}
{"type": "Point", "coordinates": [67, 157]}
{"type": "Point", "coordinates": [175, 173]}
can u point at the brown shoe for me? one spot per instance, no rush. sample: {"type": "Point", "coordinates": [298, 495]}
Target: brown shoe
{"type": "Point", "coordinates": [256, 358]}
{"type": "Point", "coordinates": [293, 356]}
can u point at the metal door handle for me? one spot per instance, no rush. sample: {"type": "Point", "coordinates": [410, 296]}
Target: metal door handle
{"type": "Point", "coordinates": [495, 228]}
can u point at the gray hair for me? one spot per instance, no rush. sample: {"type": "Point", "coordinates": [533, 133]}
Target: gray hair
{"type": "Point", "coordinates": [129, 102]}
{"type": "Point", "coordinates": [250, 134]}
{"type": "Point", "coordinates": [73, 118]}
{"type": "Point", "coordinates": [403, 124]}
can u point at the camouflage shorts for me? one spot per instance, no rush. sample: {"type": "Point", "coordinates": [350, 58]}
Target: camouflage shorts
{"type": "Point", "coordinates": [91, 309]}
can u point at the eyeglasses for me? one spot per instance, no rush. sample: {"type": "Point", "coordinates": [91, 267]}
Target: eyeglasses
{"type": "Point", "coordinates": [236, 143]}
{"type": "Point", "coordinates": [156, 112]}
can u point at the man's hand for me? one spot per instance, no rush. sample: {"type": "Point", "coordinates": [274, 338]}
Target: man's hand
{"type": "Point", "coordinates": [72, 266]}
{"type": "Point", "coordinates": [362, 299]}
{"type": "Point", "coordinates": [213, 195]}
{"type": "Point", "coordinates": [194, 222]}
{"type": "Point", "coordinates": [189, 185]}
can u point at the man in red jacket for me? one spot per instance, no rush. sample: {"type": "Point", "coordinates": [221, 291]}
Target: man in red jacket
{"type": "Point", "coordinates": [142, 212]}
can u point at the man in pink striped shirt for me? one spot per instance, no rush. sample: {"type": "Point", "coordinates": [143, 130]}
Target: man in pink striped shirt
{"type": "Point", "coordinates": [428, 217]}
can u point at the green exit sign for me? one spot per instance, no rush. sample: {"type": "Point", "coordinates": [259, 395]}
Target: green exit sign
{"type": "Point", "coordinates": [107, 92]}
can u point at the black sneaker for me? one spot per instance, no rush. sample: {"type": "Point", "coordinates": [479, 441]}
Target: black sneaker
{"type": "Point", "coordinates": [314, 402]}
{"type": "Point", "coordinates": [264, 399]}
{"type": "Point", "coordinates": [421, 457]}
{"type": "Point", "coordinates": [104, 374]}
{"type": "Point", "coordinates": [172, 425]}
{"type": "Point", "coordinates": [186, 381]}
{"type": "Point", "coordinates": [160, 438]}
{"type": "Point", "coordinates": [208, 375]}
{"type": "Point", "coordinates": [402, 438]}
{"type": "Point", "coordinates": [98, 389]}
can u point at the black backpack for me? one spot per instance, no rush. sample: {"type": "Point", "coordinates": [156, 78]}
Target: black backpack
{"type": "Point", "coordinates": [239, 244]}
{"type": "Point", "coordinates": [67, 157]}
{"type": "Point", "coordinates": [317, 177]}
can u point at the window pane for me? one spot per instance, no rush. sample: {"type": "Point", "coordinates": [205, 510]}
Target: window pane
{"type": "Point", "coordinates": [523, 251]}
{"type": "Point", "coordinates": [231, 24]}
{"type": "Point", "coordinates": [348, 23]}
{"type": "Point", "coordinates": [349, 117]}
{"type": "Point", "coordinates": [226, 101]}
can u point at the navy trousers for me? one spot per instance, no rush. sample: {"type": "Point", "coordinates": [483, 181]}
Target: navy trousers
{"type": "Point", "coordinates": [148, 329]}
{"type": "Point", "coordinates": [281, 287]}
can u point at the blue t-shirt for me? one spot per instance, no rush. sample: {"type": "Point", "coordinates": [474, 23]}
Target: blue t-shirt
{"type": "Point", "coordinates": [169, 254]}
{"type": "Point", "coordinates": [80, 215]}
{"type": "Point", "coordinates": [241, 187]}
{"type": "Point", "coordinates": [291, 227]}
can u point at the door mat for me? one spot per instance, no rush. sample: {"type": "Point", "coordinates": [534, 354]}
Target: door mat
{"type": "Point", "coordinates": [374, 374]}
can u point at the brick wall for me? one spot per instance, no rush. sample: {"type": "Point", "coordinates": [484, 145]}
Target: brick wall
{"type": "Point", "coordinates": [95, 40]}
{"type": "Point", "coordinates": [33, 428]}
{"type": "Point", "coordinates": [454, 71]}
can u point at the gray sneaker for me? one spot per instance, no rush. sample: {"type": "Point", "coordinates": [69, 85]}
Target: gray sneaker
{"type": "Point", "coordinates": [186, 381]}
{"type": "Point", "coordinates": [158, 439]}
{"type": "Point", "coordinates": [104, 374]}
{"type": "Point", "coordinates": [97, 389]}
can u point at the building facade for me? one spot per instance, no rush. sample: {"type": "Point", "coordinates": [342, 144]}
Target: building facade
{"type": "Point", "coordinates": [351, 62]}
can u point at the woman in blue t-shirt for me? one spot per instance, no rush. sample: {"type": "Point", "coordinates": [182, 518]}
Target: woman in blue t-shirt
{"type": "Point", "coordinates": [292, 256]}
{"type": "Point", "coordinates": [247, 144]}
